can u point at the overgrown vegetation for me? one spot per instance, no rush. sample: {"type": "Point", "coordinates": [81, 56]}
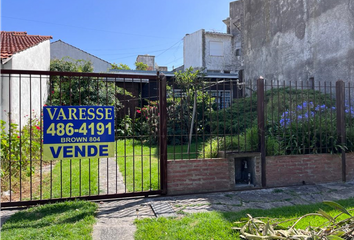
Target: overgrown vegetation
{"type": "Point", "coordinates": [69, 90]}
{"type": "Point", "coordinates": [296, 122]}
{"type": "Point", "coordinates": [20, 152]}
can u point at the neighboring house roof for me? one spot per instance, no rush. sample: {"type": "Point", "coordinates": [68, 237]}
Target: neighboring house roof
{"type": "Point", "coordinates": [80, 50]}
{"type": "Point", "coordinates": [14, 42]}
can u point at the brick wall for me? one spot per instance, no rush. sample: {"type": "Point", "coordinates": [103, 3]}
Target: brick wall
{"type": "Point", "coordinates": [350, 166]}
{"type": "Point", "coordinates": [194, 176]}
{"type": "Point", "coordinates": [315, 168]}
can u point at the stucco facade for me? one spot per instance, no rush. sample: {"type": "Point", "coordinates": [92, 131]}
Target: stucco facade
{"type": "Point", "coordinates": [60, 49]}
{"type": "Point", "coordinates": [24, 96]}
{"type": "Point", "coordinates": [294, 40]}
{"type": "Point", "coordinates": [209, 50]}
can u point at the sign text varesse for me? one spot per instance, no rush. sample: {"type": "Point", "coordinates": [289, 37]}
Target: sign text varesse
{"type": "Point", "coordinates": [78, 132]}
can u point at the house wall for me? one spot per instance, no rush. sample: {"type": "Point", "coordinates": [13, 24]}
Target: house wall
{"type": "Point", "coordinates": [148, 60]}
{"type": "Point", "coordinates": [296, 40]}
{"type": "Point", "coordinates": [193, 50]}
{"type": "Point", "coordinates": [220, 63]}
{"type": "Point", "coordinates": [59, 50]}
{"type": "Point", "coordinates": [28, 93]}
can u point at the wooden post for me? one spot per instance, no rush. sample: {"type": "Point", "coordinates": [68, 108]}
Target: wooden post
{"type": "Point", "coordinates": [340, 108]}
{"type": "Point", "coordinates": [163, 131]}
{"type": "Point", "coordinates": [261, 132]}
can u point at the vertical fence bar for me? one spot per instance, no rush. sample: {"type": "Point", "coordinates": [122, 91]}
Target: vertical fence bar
{"type": "Point", "coordinates": [163, 132]}
{"type": "Point", "coordinates": [340, 106]}
{"type": "Point", "coordinates": [261, 133]}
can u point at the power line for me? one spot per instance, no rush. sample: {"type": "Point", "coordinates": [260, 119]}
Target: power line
{"type": "Point", "coordinates": [169, 48]}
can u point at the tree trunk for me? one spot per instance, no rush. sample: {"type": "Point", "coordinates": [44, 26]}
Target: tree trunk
{"type": "Point", "coordinates": [192, 122]}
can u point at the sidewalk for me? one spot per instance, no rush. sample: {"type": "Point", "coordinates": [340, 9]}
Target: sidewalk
{"type": "Point", "coordinates": [115, 219]}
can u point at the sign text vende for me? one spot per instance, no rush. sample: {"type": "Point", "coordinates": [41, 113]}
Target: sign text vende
{"type": "Point", "coordinates": [78, 132]}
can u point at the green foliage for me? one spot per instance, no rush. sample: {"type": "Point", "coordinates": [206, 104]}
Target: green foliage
{"type": "Point", "coordinates": [244, 142]}
{"type": "Point", "coordinates": [65, 90]}
{"type": "Point", "coordinates": [120, 66]}
{"type": "Point", "coordinates": [20, 151]}
{"type": "Point", "coordinates": [297, 122]}
{"type": "Point", "coordinates": [185, 98]}
{"type": "Point", "coordinates": [141, 66]}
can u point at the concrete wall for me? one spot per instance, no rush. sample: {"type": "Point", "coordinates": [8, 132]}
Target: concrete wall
{"type": "Point", "coordinates": [148, 60]}
{"type": "Point", "coordinates": [193, 50]}
{"type": "Point", "coordinates": [27, 93]}
{"type": "Point", "coordinates": [220, 63]}
{"type": "Point", "coordinates": [295, 40]}
{"type": "Point", "coordinates": [60, 49]}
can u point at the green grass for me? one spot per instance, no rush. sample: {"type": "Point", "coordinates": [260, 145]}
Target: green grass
{"type": "Point", "coordinates": [138, 160]}
{"type": "Point", "coordinates": [61, 184]}
{"type": "Point", "coordinates": [66, 220]}
{"type": "Point", "coordinates": [136, 163]}
{"type": "Point", "coordinates": [217, 225]}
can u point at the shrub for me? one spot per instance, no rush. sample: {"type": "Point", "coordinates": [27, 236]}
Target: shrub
{"type": "Point", "coordinates": [20, 151]}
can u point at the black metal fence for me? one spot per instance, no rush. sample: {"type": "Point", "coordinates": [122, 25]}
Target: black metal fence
{"type": "Point", "coordinates": [135, 169]}
{"type": "Point", "coordinates": [160, 118]}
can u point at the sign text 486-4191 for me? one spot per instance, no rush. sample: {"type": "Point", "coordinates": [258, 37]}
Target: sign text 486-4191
{"type": "Point", "coordinates": [78, 132]}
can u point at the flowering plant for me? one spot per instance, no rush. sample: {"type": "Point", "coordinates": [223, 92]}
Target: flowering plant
{"type": "Point", "coordinates": [311, 128]}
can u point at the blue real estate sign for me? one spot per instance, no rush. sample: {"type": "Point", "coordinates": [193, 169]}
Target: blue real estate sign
{"type": "Point", "coordinates": [78, 132]}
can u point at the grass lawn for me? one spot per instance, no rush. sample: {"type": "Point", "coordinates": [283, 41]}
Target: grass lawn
{"type": "Point", "coordinates": [139, 163]}
{"type": "Point", "coordinates": [61, 184]}
{"type": "Point", "coordinates": [66, 220]}
{"type": "Point", "coordinates": [217, 225]}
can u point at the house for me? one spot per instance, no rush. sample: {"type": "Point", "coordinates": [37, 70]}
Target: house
{"type": "Point", "coordinates": [211, 51]}
{"type": "Point", "coordinates": [149, 60]}
{"type": "Point", "coordinates": [60, 49]}
{"type": "Point", "coordinates": [20, 51]}
{"type": "Point", "coordinates": [293, 40]}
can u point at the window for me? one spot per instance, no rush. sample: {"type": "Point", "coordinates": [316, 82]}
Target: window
{"type": "Point", "coordinates": [216, 49]}
{"type": "Point", "coordinates": [222, 97]}
{"type": "Point", "coordinates": [238, 52]}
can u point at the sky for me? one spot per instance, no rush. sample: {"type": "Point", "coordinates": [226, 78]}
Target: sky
{"type": "Point", "coordinates": [118, 30]}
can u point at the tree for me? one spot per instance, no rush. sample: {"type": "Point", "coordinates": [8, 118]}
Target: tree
{"type": "Point", "coordinates": [191, 83]}
{"type": "Point", "coordinates": [141, 66]}
{"type": "Point", "coordinates": [121, 66]}
{"type": "Point", "coordinates": [68, 90]}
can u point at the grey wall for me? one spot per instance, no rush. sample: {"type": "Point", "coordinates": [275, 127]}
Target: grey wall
{"type": "Point", "coordinates": [193, 50]}
{"type": "Point", "coordinates": [298, 39]}
{"type": "Point", "coordinates": [60, 49]}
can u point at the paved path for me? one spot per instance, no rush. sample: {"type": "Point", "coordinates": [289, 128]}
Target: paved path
{"type": "Point", "coordinates": [115, 218]}
{"type": "Point", "coordinates": [112, 178]}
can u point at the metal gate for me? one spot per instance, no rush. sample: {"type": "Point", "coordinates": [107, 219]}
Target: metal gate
{"type": "Point", "coordinates": [139, 165]}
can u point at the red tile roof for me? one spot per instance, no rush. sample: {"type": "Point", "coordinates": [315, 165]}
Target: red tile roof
{"type": "Point", "coordinates": [14, 42]}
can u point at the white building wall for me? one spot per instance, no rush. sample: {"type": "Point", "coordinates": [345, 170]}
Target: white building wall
{"type": "Point", "coordinates": [193, 50]}
{"type": "Point", "coordinates": [25, 96]}
{"type": "Point", "coordinates": [218, 61]}
{"type": "Point", "coordinates": [60, 49]}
